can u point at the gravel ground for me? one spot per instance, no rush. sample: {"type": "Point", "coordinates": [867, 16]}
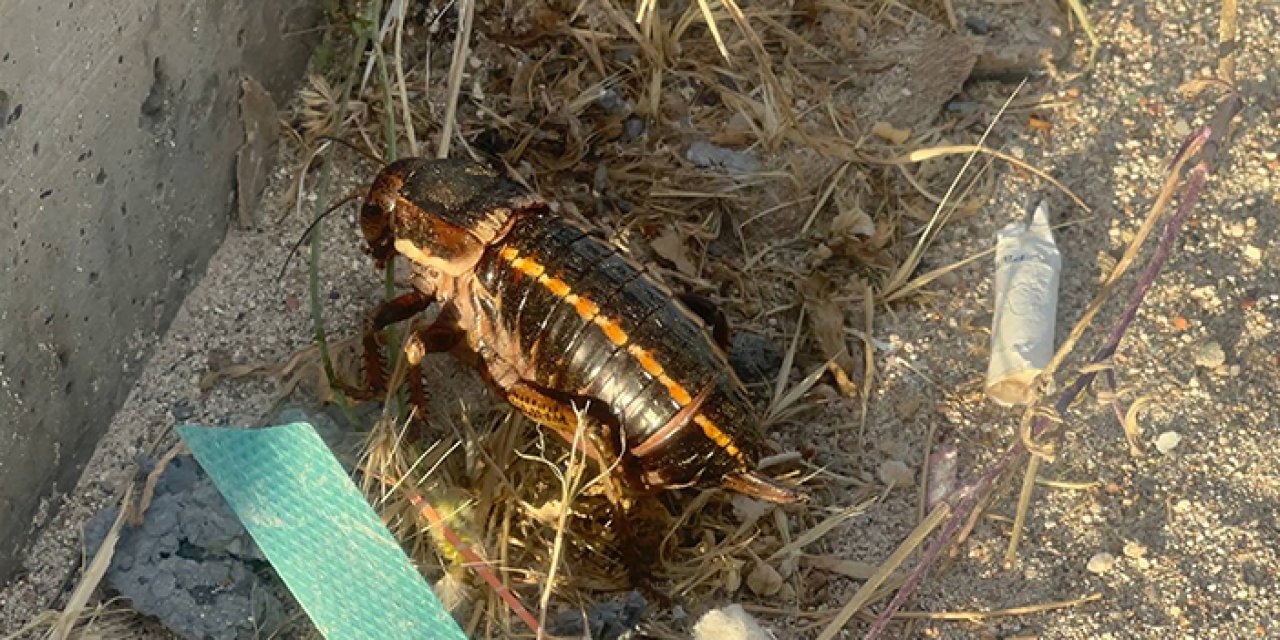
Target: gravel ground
{"type": "Point", "coordinates": [1191, 533]}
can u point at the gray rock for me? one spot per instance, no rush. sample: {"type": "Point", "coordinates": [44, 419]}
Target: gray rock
{"type": "Point", "coordinates": [963, 106]}
{"type": "Point", "coordinates": [614, 620]}
{"type": "Point", "coordinates": [754, 357]}
{"type": "Point", "coordinates": [710, 156]}
{"type": "Point", "coordinates": [977, 26]}
{"type": "Point", "coordinates": [613, 102]}
{"type": "Point", "coordinates": [633, 128]}
{"type": "Point", "coordinates": [191, 564]}
{"type": "Point", "coordinates": [182, 411]}
{"type": "Point", "coordinates": [1209, 354]}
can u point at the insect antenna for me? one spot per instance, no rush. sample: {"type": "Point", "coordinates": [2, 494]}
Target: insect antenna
{"type": "Point", "coordinates": [368, 156]}
{"type": "Point", "coordinates": [311, 227]}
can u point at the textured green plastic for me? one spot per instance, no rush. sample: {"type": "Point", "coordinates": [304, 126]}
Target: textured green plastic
{"type": "Point", "coordinates": [320, 534]}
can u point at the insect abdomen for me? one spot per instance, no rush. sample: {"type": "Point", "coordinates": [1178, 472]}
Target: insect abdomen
{"type": "Point", "coordinates": [590, 322]}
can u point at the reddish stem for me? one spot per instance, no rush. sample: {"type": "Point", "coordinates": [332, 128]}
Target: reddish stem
{"type": "Point", "coordinates": [474, 561]}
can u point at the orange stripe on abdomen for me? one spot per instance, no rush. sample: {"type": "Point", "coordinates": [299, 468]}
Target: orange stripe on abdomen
{"type": "Point", "coordinates": [645, 360]}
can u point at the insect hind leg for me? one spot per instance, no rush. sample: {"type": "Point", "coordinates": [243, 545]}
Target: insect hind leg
{"type": "Point", "coordinates": [710, 314]}
{"type": "Point", "coordinates": [605, 443]}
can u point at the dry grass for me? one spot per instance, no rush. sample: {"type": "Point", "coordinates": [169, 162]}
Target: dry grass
{"type": "Point", "coordinates": [596, 105]}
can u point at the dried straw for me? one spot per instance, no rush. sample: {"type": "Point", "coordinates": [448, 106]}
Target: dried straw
{"type": "Point", "coordinates": [602, 108]}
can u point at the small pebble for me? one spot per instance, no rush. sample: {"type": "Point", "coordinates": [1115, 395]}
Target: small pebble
{"type": "Point", "coordinates": [748, 509]}
{"type": "Point", "coordinates": [895, 473]}
{"type": "Point", "coordinates": [710, 156]}
{"type": "Point", "coordinates": [1253, 254]}
{"type": "Point", "coordinates": [1101, 563]}
{"type": "Point", "coordinates": [764, 580]}
{"type": "Point", "coordinates": [181, 410]}
{"type": "Point", "coordinates": [609, 620]}
{"type": "Point", "coordinates": [942, 474]}
{"type": "Point", "coordinates": [1134, 549]}
{"type": "Point", "coordinates": [977, 26]}
{"type": "Point", "coordinates": [890, 133]}
{"type": "Point", "coordinates": [1167, 441]}
{"type": "Point", "coordinates": [633, 128]}
{"type": "Point", "coordinates": [1209, 355]}
{"type": "Point", "coordinates": [613, 102]}
{"type": "Point", "coordinates": [754, 357]}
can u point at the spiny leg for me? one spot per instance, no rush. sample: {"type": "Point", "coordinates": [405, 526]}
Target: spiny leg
{"type": "Point", "coordinates": [438, 337]}
{"type": "Point", "coordinates": [384, 315]}
{"type": "Point", "coordinates": [559, 412]}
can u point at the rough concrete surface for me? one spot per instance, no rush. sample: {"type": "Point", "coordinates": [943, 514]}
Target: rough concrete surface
{"type": "Point", "coordinates": [119, 125]}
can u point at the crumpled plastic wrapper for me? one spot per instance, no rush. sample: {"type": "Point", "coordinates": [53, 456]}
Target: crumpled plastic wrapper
{"type": "Point", "coordinates": [1028, 268]}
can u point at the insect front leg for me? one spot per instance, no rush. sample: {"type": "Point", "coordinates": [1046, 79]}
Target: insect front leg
{"type": "Point", "coordinates": [439, 337]}
{"type": "Point", "coordinates": [384, 315]}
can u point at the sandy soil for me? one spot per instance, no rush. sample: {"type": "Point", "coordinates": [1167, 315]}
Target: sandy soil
{"type": "Point", "coordinates": [1192, 532]}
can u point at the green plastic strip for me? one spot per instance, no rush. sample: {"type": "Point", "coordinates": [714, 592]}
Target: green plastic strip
{"type": "Point", "coordinates": [320, 534]}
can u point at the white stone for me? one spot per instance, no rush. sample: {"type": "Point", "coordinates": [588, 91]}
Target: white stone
{"type": "Point", "coordinates": [1101, 563]}
{"type": "Point", "coordinates": [1168, 441]}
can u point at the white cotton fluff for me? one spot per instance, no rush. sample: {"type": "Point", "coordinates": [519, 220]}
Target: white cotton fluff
{"type": "Point", "coordinates": [729, 623]}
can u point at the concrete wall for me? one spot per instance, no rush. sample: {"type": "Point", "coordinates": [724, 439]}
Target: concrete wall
{"type": "Point", "coordinates": [119, 125]}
